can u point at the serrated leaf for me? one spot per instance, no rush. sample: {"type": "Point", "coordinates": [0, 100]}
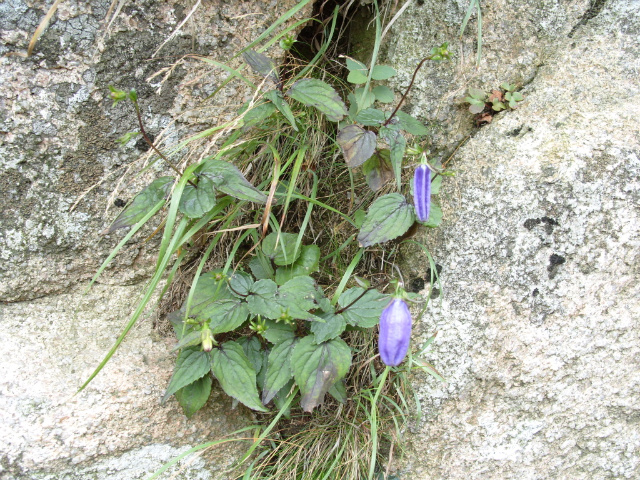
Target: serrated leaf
{"type": "Point", "coordinates": [236, 375]}
{"type": "Point", "coordinates": [261, 267]}
{"type": "Point", "coordinates": [307, 263]}
{"type": "Point", "coordinates": [253, 350]}
{"type": "Point", "coordinates": [357, 77]}
{"type": "Point", "coordinates": [368, 99]}
{"type": "Point", "coordinates": [262, 299]}
{"type": "Point", "coordinates": [383, 94]}
{"type": "Point", "coordinates": [317, 367]}
{"type": "Point", "coordinates": [194, 396]}
{"type": "Point", "coordinates": [377, 170]}
{"type": "Point", "coordinates": [388, 217]}
{"type": "Point", "coordinates": [318, 94]}
{"type": "Point", "coordinates": [226, 315]}
{"type": "Point", "coordinates": [191, 365]}
{"type": "Point", "coordinates": [334, 325]}
{"type": "Point", "coordinates": [143, 203]}
{"type": "Point", "coordinates": [208, 290]}
{"type": "Point", "coordinates": [435, 216]}
{"type": "Point", "coordinates": [283, 252]}
{"type": "Point", "coordinates": [397, 145]}
{"type": "Point", "coordinates": [195, 202]}
{"type": "Point", "coordinates": [278, 332]}
{"type": "Point", "coordinates": [383, 72]}
{"type": "Point", "coordinates": [261, 64]}
{"type": "Point", "coordinates": [278, 100]}
{"type": "Point", "coordinates": [358, 217]}
{"type": "Point", "coordinates": [298, 296]}
{"type": "Point", "coordinates": [357, 144]}
{"type": "Point", "coordinates": [228, 179]}
{"type": "Point", "coordinates": [371, 117]}
{"type": "Point", "coordinates": [362, 309]}
{"type": "Point", "coordinates": [410, 125]}
{"type": "Point", "coordinates": [240, 283]}
{"type": "Point", "coordinates": [278, 369]}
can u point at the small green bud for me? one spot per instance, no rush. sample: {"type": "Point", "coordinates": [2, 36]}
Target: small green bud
{"type": "Point", "coordinates": [287, 42]}
{"type": "Point", "coordinates": [133, 95]}
{"type": "Point", "coordinates": [116, 95]}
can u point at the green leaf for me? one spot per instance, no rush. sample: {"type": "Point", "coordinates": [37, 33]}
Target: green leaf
{"type": "Point", "coordinates": [359, 217]}
{"type": "Point", "coordinates": [278, 332]}
{"type": "Point", "coordinates": [368, 100]}
{"type": "Point", "coordinates": [318, 94]}
{"type": "Point", "coordinates": [228, 179]}
{"type": "Point", "coordinates": [317, 367]}
{"type": "Point", "coordinates": [236, 375]}
{"type": "Point", "coordinates": [181, 330]}
{"type": "Point", "coordinates": [357, 77]}
{"type": "Point", "coordinates": [307, 263]}
{"type": "Point", "coordinates": [278, 100]}
{"type": "Point", "coordinates": [383, 94]}
{"type": "Point", "coordinates": [476, 106]}
{"type": "Point", "coordinates": [377, 170]}
{"type": "Point", "coordinates": [191, 339]}
{"type": "Point", "coordinates": [208, 291]}
{"type": "Point", "coordinates": [143, 203]}
{"type": "Point", "coordinates": [191, 365]}
{"type": "Point", "coordinates": [371, 117]}
{"type": "Point", "coordinates": [253, 350]}
{"type": "Point", "coordinates": [382, 72]}
{"type": "Point", "coordinates": [257, 115]}
{"type": "Point", "coordinates": [261, 64]}
{"type": "Point", "coordinates": [299, 293]}
{"type": "Point", "coordinates": [397, 145]}
{"type": "Point", "coordinates": [278, 369]}
{"type": "Point", "coordinates": [334, 325]}
{"type": "Point", "coordinates": [477, 94]}
{"type": "Point", "coordinates": [282, 253]}
{"type": "Point", "coordinates": [362, 309]}
{"type": "Point", "coordinates": [195, 202]}
{"type": "Point", "coordinates": [388, 217]}
{"type": "Point", "coordinates": [261, 267]}
{"type": "Point", "coordinates": [435, 216]}
{"type": "Point", "coordinates": [355, 65]}
{"type": "Point", "coordinates": [262, 299]}
{"type": "Point", "coordinates": [226, 315]}
{"type": "Point", "coordinates": [357, 144]}
{"type": "Point", "coordinates": [436, 183]}
{"type": "Point", "coordinates": [240, 283]}
{"type": "Point", "coordinates": [194, 396]}
{"type": "Point", "coordinates": [410, 125]}
{"type": "Point", "coordinates": [339, 392]}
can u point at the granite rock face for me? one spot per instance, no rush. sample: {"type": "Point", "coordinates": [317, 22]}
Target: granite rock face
{"type": "Point", "coordinates": [58, 133]}
{"type": "Point", "coordinates": [539, 316]}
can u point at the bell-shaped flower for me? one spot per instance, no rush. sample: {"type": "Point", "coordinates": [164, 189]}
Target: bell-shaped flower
{"type": "Point", "coordinates": [395, 332]}
{"type": "Point", "coordinates": [422, 192]}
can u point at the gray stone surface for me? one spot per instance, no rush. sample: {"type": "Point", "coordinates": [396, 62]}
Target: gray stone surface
{"type": "Point", "coordinates": [539, 317]}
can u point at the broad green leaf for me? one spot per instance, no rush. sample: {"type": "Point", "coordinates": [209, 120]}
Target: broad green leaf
{"type": "Point", "coordinates": [262, 299]}
{"type": "Point", "coordinates": [397, 145]}
{"type": "Point", "coordinates": [368, 100]}
{"type": "Point", "coordinates": [307, 263]}
{"type": "Point", "coordinates": [282, 253]}
{"type": "Point", "coordinates": [317, 367]}
{"type": "Point", "coordinates": [191, 339]}
{"type": "Point", "coordinates": [278, 369]}
{"type": "Point", "coordinates": [357, 77]}
{"type": "Point", "coordinates": [354, 65]}
{"type": "Point", "coordinates": [362, 309]}
{"type": "Point", "coordinates": [257, 115]}
{"type": "Point", "coordinates": [240, 283]}
{"type": "Point", "coordinates": [278, 100]}
{"type": "Point", "coordinates": [359, 217]}
{"type": "Point", "coordinates": [339, 392]}
{"type": "Point", "coordinates": [382, 72]}
{"type": "Point", "coordinates": [388, 217]}
{"type": "Point", "coordinates": [371, 117]}
{"type": "Point", "coordinates": [193, 397]}
{"type": "Point", "coordinates": [435, 215]}
{"type": "Point", "coordinates": [226, 315]}
{"type": "Point", "coordinates": [262, 374]}
{"type": "Point", "coordinates": [253, 350]}
{"type": "Point", "coordinates": [278, 332]}
{"type": "Point", "coordinates": [261, 64]}
{"type": "Point", "coordinates": [228, 179]}
{"type": "Point", "coordinates": [280, 400]}
{"type": "Point", "coordinates": [236, 375]}
{"type": "Point", "coordinates": [181, 330]}
{"type": "Point", "coordinates": [436, 183]}
{"type": "Point", "coordinates": [334, 325]}
{"type": "Point", "coordinates": [209, 290]}
{"type": "Point", "coordinates": [298, 296]}
{"type": "Point", "coordinates": [318, 94]}
{"type": "Point", "coordinates": [191, 365]}
{"type": "Point", "coordinates": [377, 170]}
{"type": "Point", "coordinates": [383, 94]}
{"type": "Point", "coordinates": [195, 202]}
{"type": "Point", "coordinates": [410, 125]}
{"type": "Point", "coordinates": [357, 144]}
{"type": "Point", "coordinates": [143, 203]}
{"type": "Point", "coordinates": [261, 267]}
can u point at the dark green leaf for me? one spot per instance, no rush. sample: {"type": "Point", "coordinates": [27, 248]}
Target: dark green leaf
{"type": "Point", "coordinates": [258, 114]}
{"type": "Point", "coordinates": [388, 217]}
{"type": "Point", "coordinates": [357, 77]}
{"type": "Point", "coordinates": [226, 315]}
{"type": "Point", "coordinates": [253, 350]}
{"type": "Point", "coordinates": [278, 332]}
{"type": "Point", "coordinates": [261, 64]}
{"type": "Point", "coordinates": [177, 322]}
{"type": "Point", "coordinates": [143, 203]}
{"type": "Point", "coordinates": [262, 374]}
{"type": "Point", "coordinates": [276, 97]}
{"type": "Point", "coordinates": [191, 339]}
{"type": "Point", "coordinates": [339, 392]}
{"type": "Point", "coordinates": [382, 72]}
{"type": "Point", "coordinates": [194, 396]}
{"type": "Point", "coordinates": [236, 375]}
{"type": "Point", "coordinates": [209, 290]}
{"type": "Point", "coordinates": [334, 325]}
{"type": "Point", "coordinates": [357, 144]}
{"type": "Point", "coordinates": [280, 400]}
{"type": "Point", "coordinates": [316, 93]}
{"type": "Point", "coordinates": [383, 94]}
{"type": "Point", "coordinates": [283, 252]}
{"type": "Point", "coordinates": [362, 310]}
{"type": "Point", "coordinates": [307, 263]}
{"type": "Point", "coordinates": [371, 117]}
{"type": "Point", "coordinates": [377, 170]}
{"type": "Point", "coordinates": [195, 202]}
{"type": "Point", "coordinates": [317, 367]}
{"type": "Point", "coordinates": [435, 215]}
{"type": "Point", "coordinates": [191, 365]}
{"type": "Point", "coordinates": [240, 283]}
{"type": "Point", "coordinates": [359, 217]}
{"type": "Point", "coordinates": [262, 299]}
{"type": "Point", "coordinates": [298, 296]}
{"type": "Point", "coordinates": [410, 125]}
{"type": "Point", "coordinates": [261, 267]}
{"type": "Point", "coordinates": [278, 369]}
{"type": "Point", "coordinates": [397, 145]}
{"type": "Point", "coordinates": [228, 179]}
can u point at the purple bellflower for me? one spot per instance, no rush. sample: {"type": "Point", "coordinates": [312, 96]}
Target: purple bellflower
{"type": "Point", "coordinates": [395, 332]}
{"type": "Point", "coordinates": [422, 192]}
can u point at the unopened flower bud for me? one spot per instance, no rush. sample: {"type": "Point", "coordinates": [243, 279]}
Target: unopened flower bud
{"type": "Point", "coordinates": [207, 340]}
{"type": "Point", "coordinates": [422, 192]}
{"type": "Point", "coordinates": [395, 332]}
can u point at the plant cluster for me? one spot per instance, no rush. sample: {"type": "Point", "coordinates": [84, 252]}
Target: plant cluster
{"type": "Point", "coordinates": [486, 105]}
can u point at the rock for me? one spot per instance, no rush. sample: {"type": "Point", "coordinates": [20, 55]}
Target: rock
{"type": "Point", "coordinates": [539, 316]}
